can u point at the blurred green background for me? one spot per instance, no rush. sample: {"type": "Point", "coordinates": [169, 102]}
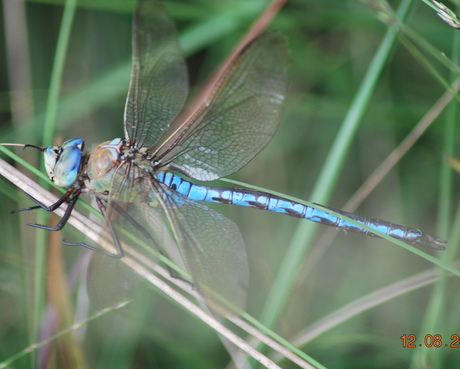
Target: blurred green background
{"type": "Point", "coordinates": [333, 43]}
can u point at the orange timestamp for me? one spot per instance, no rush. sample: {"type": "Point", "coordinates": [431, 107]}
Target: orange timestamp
{"type": "Point", "coordinates": [430, 340]}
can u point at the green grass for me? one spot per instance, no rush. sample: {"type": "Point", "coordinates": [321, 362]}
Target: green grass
{"type": "Point", "coordinates": [359, 87]}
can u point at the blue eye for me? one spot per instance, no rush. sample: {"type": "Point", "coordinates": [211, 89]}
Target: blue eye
{"type": "Point", "coordinates": [63, 162]}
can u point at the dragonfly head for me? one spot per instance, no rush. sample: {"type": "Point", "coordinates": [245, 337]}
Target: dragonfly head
{"type": "Point", "coordinates": [63, 163]}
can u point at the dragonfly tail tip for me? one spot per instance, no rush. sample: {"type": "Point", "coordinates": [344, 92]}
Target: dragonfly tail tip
{"type": "Point", "coordinates": [433, 242]}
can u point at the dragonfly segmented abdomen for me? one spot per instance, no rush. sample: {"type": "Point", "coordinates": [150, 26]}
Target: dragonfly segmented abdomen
{"type": "Point", "coordinates": [265, 201]}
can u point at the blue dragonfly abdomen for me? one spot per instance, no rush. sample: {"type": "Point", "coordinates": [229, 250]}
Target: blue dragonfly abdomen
{"type": "Point", "coordinates": [266, 201]}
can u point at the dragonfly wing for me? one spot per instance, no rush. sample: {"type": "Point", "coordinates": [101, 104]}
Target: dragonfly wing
{"type": "Point", "coordinates": [159, 82]}
{"type": "Point", "coordinates": [211, 246]}
{"type": "Point", "coordinates": [241, 114]}
{"type": "Point", "coordinates": [109, 280]}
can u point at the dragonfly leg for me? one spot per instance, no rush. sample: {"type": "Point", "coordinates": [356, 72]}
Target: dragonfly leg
{"type": "Point", "coordinates": [40, 206]}
{"type": "Point", "coordinates": [71, 203]}
{"type": "Point", "coordinates": [116, 255]}
{"type": "Point", "coordinates": [52, 207]}
{"type": "Point", "coordinates": [119, 250]}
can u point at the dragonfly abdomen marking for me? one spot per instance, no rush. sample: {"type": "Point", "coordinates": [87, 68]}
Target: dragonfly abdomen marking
{"type": "Point", "coordinates": [233, 196]}
{"type": "Point", "coordinates": [408, 234]}
{"type": "Point", "coordinates": [253, 199]}
{"type": "Point", "coordinates": [265, 201]}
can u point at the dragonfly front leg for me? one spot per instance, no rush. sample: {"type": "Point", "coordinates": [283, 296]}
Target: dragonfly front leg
{"type": "Point", "coordinates": [52, 207]}
{"type": "Point", "coordinates": [71, 204]}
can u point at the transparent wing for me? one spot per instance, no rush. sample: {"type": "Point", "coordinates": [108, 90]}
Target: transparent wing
{"type": "Point", "coordinates": [159, 83]}
{"type": "Point", "coordinates": [210, 244]}
{"type": "Point", "coordinates": [239, 117]}
{"type": "Point", "coordinates": [109, 280]}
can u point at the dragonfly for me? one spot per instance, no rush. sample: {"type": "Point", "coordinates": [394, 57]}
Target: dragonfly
{"type": "Point", "coordinates": [151, 177]}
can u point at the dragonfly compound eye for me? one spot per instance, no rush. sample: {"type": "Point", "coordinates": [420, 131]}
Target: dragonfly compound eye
{"type": "Point", "coordinates": [67, 163]}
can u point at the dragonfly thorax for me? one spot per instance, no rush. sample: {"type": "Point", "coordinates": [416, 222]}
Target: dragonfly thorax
{"type": "Point", "coordinates": [102, 162]}
{"type": "Point", "coordinates": [109, 162]}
